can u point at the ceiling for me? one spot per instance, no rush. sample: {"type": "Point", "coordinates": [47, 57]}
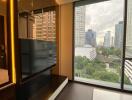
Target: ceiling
{"type": "Point", "coordinates": [37, 4]}
{"type": "Point", "coordinates": [65, 1]}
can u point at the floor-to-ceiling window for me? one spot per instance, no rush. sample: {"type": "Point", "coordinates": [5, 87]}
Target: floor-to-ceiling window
{"type": "Point", "coordinates": [98, 43]}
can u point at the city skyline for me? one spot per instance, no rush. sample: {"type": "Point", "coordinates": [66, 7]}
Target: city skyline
{"type": "Point", "coordinates": [102, 20]}
{"type": "Point", "coordinates": [116, 40]}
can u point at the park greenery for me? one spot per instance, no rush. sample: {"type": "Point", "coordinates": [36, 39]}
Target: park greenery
{"type": "Point", "coordinates": [96, 69]}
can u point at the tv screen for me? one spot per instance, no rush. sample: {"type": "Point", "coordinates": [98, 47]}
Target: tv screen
{"type": "Point", "coordinates": [36, 56]}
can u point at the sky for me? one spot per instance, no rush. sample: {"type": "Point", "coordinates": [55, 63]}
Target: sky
{"type": "Point", "coordinates": [102, 17]}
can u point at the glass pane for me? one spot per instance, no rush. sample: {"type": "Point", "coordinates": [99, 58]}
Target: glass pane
{"type": "Point", "coordinates": [129, 30]}
{"type": "Point", "coordinates": [37, 35]}
{"type": "Point", "coordinates": [128, 63]}
{"type": "Point", "coordinates": [3, 43]}
{"type": "Point", "coordinates": [128, 75]}
{"type": "Point", "coordinates": [99, 42]}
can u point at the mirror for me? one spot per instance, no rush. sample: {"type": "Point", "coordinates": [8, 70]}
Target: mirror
{"type": "Point", "coordinates": [37, 35]}
{"type": "Point", "coordinates": [4, 77]}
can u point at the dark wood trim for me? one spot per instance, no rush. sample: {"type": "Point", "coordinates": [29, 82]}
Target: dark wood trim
{"type": "Point", "coordinates": [73, 41]}
{"type": "Point", "coordinates": [9, 64]}
{"type": "Point", "coordinates": [124, 45]}
{"type": "Point", "coordinates": [52, 8]}
{"type": "Point", "coordinates": [8, 93]}
{"type": "Point", "coordinates": [4, 84]}
{"type": "Point", "coordinates": [128, 58]}
{"type": "Point", "coordinates": [17, 44]}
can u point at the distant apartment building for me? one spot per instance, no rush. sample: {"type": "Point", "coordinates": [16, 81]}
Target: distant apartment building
{"type": "Point", "coordinates": [112, 41]}
{"type": "Point", "coordinates": [45, 26]}
{"type": "Point", "coordinates": [90, 38]}
{"type": "Point", "coordinates": [107, 39]}
{"type": "Point", "coordinates": [119, 35]}
{"type": "Point", "coordinates": [41, 26]}
{"type": "Point", "coordinates": [88, 52]}
{"type": "Point", "coordinates": [80, 26]}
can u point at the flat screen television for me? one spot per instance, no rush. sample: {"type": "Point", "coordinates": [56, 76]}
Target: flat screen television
{"type": "Point", "coordinates": [36, 56]}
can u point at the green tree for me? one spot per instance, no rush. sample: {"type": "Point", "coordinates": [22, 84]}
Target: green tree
{"type": "Point", "coordinates": [106, 76]}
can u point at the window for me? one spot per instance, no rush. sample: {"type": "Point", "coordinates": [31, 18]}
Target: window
{"type": "Point", "coordinates": [98, 40]}
{"type": "Point", "coordinates": [128, 49]}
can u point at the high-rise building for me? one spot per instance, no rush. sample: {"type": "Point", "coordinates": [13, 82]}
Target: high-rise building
{"type": "Point", "coordinates": [112, 41]}
{"type": "Point", "coordinates": [45, 26]}
{"type": "Point", "coordinates": [107, 39]}
{"type": "Point", "coordinates": [90, 38]}
{"type": "Point", "coordinates": [80, 26]}
{"type": "Point", "coordinates": [119, 35]}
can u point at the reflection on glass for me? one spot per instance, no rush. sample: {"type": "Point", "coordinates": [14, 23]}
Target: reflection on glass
{"type": "Point", "coordinates": [37, 35]}
{"type": "Point", "coordinates": [99, 43]}
{"type": "Point", "coordinates": [128, 75]}
{"type": "Point", "coordinates": [128, 63]}
{"type": "Point", "coordinates": [129, 31]}
{"type": "Point", "coordinates": [4, 78]}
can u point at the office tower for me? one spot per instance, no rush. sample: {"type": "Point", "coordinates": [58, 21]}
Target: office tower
{"type": "Point", "coordinates": [119, 35]}
{"type": "Point", "coordinates": [80, 26]}
{"type": "Point", "coordinates": [90, 38]}
{"type": "Point", "coordinates": [107, 39]}
{"type": "Point", "coordinates": [112, 41]}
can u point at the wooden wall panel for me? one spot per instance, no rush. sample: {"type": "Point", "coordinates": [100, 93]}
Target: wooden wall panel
{"type": "Point", "coordinates": [66, 33]}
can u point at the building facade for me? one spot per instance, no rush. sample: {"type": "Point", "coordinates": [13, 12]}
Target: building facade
{"type": "Point", "coordinates": [107, 39]}
{"type": "Point", "coordinates": [45, 26]}
{"type": "Point", "coordinates": [80, 26]}
{"type": "Point", "coordinates": [90, 38]}
{"type": "Point", "coordinates": [119, 35]}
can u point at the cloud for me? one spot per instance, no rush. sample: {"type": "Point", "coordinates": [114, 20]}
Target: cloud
{"type": "Point", "coordinates": [103, 16]}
